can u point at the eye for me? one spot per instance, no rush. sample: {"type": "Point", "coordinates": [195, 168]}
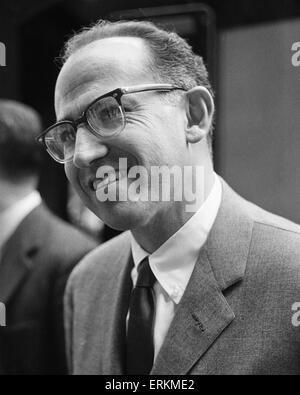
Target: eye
{"type": "Point", "coordinates": [110, 112]}
{"type": "Point", "coordinates": [67, 136]}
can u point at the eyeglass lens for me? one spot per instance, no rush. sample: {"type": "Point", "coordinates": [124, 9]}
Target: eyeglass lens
{"type": "Point", "coordinates": [105, 117]}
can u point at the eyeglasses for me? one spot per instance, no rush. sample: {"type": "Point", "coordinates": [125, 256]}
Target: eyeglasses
{"type": "Point", "coordinates": [105, 116]}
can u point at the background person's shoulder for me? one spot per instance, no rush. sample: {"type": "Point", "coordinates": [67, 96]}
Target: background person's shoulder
{"type": "Point", "coordinates": [65, 244]}
{"type": "Point", "coordinates": [103, 262]}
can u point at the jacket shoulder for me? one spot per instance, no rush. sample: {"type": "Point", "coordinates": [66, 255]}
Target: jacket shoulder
{"type": "Point", "coordinates": [275, 247]}
{"type": "Point", "coordinates": [274, 242]}
{"type": "Point", "coordinates": [240, 208]}
{"type": "Point", "coordinates": [272, 221]}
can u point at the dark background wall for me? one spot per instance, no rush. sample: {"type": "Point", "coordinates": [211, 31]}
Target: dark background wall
{"type": "Point", "coordinates": [257, 126]}
{"type": "Point", "coordinates": [259, 117]}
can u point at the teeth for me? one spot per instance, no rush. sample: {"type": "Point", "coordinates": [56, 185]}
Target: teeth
{"type": "Point", "coordinates": [109, 178]}
{"type": "Point", "coordinates": [123, 172]}
{"type": "Point", "coordinates": [101, 183]}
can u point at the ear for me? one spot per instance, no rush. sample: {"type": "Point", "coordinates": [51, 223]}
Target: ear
{"type": "Point", "coordinates": [200, 111]}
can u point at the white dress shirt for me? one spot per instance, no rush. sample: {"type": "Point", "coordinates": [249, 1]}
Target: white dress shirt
{"type": "Point", "coordinates": [11, 218]}
{"type": "Point", "coordinates": [173, 263]}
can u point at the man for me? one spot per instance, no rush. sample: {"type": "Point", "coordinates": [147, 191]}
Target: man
{"type": "Point", "coordinates": [204, 291]}
{"type": "Point", "coordinates": [37, 253]}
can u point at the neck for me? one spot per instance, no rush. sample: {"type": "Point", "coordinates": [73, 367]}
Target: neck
{"type": "Point", "coordinates": [171, 218]}
{"type": "Point", "coordinates": [13, 193]}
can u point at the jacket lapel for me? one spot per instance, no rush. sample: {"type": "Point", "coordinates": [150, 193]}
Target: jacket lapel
{"type": "Point", "coordinates": [201, 317]}
{"type": "Point", "coordinates": [18, 255]}
{"type": "Point", "coordinates": [203, 313]}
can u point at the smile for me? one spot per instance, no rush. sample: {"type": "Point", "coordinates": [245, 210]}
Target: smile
{"type": "Point", "coordinates": [102, 183]}
{"type": "Point", "coordinates": [109, 178]}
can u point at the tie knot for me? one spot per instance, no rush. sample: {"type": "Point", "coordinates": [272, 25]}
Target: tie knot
{"type": "Point", "coordinates": [146, 278]}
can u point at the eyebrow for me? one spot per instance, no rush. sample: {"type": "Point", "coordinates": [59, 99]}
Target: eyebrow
{"type": "Point", "coordinates": [68, 117]}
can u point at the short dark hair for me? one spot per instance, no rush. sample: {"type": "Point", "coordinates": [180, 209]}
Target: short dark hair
{"type": "Point", "coordinates": [20, 154]}
{"type": "Point", "coordinates": [173, 60]}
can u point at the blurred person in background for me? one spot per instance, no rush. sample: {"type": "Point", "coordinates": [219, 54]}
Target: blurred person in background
{"type": "Point", "coordinates": [37, 253]}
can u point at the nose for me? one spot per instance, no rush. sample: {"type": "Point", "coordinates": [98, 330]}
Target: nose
{"type": "Point", "coordinates": [88, 148]}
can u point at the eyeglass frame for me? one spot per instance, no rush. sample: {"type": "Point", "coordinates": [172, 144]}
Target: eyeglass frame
{"type": "Point", "coordinates": [116, 94]}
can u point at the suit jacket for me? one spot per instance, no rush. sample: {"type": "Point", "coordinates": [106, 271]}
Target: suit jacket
{"type": "Point", "coordinates": [34, 268]}
{"type": "Point", "coordinates": [236, 314]}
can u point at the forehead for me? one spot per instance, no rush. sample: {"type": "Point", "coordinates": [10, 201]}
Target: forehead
{"type": "Point", "coordinates": [100, 67]}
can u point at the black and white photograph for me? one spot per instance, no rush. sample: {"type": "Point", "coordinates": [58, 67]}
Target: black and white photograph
{"type": "Point", "coordinates": [150, 190]}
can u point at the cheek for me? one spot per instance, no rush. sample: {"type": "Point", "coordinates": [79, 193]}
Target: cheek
{"type": "Point", "coordinates": [72, 175]}
{"type": "Point", "coordinates": [168, 148]}
{"type": "Point", "coordinates": [159, 149]}
{"type": "Point", "coordinates": [170, 136]}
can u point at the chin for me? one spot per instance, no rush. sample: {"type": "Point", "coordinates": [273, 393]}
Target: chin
{"type": "Point", "coordinates": [122, 216]}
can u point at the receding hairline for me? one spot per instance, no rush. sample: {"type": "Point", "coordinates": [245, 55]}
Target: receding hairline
{"type": "Point", "coordinates": [137, 42]}
{"type": "Point", "coordinates": [108, 47]}
{"type": "Point", "coordinates": [105, 29]}
{"type": "Point", "coordinates": [92, 48]}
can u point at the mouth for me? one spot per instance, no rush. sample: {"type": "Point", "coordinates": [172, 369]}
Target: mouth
{"type": "Point", "coordinates": [111, 177]}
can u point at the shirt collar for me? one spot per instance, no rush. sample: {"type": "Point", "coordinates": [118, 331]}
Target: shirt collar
{"type": "Point", "coordinates": [173, 263]}
{"type": "Point", "coordinates": [11, 218]}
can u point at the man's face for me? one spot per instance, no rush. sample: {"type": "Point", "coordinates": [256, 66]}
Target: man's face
{"type": "Point", "coordinates": [154, 133]}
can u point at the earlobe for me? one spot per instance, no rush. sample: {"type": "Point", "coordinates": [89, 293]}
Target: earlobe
{"type": "Point", "coordinates": [200, 112]}
{"type": "Point", "coordinates": [194, 134]}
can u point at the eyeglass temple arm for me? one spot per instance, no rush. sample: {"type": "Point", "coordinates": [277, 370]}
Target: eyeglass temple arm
{"type": "Point", "coordinates": [141, 88]}
{"type": "Point", "coordinates": [145, 88]}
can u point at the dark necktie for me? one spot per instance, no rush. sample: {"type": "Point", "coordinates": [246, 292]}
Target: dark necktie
{"type": "Point", "coordinates": [140, 342]}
